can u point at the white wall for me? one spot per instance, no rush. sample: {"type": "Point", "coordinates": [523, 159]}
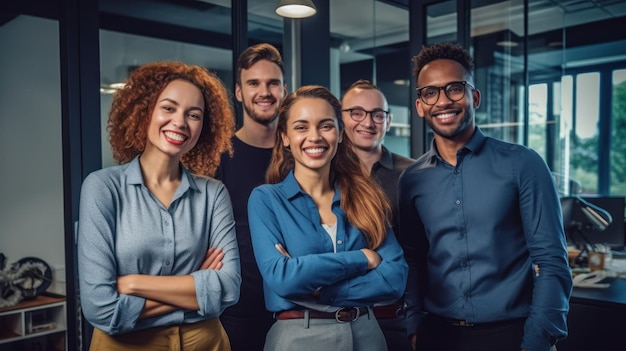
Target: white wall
{"type": "Point", "coordinates": [31, 178]}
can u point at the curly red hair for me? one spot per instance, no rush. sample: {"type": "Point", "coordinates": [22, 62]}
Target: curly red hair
{"type": "Point", "coordinates": [132, 108]}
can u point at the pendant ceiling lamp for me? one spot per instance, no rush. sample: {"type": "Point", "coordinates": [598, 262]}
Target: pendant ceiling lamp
{"type": "Point", "coordinates": [296, 8]}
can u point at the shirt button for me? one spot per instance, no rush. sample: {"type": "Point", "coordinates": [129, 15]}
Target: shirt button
{"type": "Point", "coordinates": [339, 242]}
{"type": "Point", "coordinates": [458, 202]}
{"type": "Point", "coordinates": [456, 171]}
{"type": "Point", "coordinates": [166, 223]}
{"type": "Point", "coordinates": [167, 263]}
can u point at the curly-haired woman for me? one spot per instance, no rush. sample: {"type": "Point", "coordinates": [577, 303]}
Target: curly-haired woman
{"type": "Point", "coordinates": [157, 253]}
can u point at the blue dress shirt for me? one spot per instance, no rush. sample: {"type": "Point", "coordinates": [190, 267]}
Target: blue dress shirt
{"type": "Point", "coordinates": [472, 232]}
{"type": "Point", "coordinates": [283, 213]}
{"type": "Point", "coordinates": [123, 229]}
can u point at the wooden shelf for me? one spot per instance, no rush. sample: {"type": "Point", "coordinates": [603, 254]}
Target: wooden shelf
{"type": "Point", "coordinates": [32, 319]}
{"type": "Point", "coordinates": [40, 300]}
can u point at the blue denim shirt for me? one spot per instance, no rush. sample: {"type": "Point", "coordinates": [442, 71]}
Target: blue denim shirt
{"type": "Point", "coordinates": [472, 233]}
{"type": "Point", "coordinates": [123, 229]}
{"type": "Point", "coordinates": [283, 213]}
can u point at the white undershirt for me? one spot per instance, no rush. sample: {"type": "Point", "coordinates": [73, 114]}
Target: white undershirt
{"type": "Point", "coordinates": [331, 229]}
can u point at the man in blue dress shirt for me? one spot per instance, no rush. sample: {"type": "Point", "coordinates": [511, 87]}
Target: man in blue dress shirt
{"type": "Point", "coordinates": [476, 214]}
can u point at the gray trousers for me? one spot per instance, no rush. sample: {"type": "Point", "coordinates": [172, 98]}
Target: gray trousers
{"type": "Point", "coordinates": [313, 334]}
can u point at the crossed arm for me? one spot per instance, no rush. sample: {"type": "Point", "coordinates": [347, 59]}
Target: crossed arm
{"type": "Point", "coordinates": [165, 294]}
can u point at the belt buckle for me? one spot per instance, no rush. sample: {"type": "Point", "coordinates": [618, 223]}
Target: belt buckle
{"type": "Point", "coordinates": [399, 311]}
{"type": "Point", "coordinates": [353, 310]}
{"type": "Point", "coordinates": [462, 323]}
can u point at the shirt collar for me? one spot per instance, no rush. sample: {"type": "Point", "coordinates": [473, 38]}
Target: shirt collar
{"type": "Point", "coordinates": [386, 160]}
{"type": "Point", "coordinates": [474, 145]}
{"type": "Point", "coordinates": [134, 176]}
{"type": "Point", "coordinates": [292, 189]}
{"type": "Point", "coordinates": [476, 142]}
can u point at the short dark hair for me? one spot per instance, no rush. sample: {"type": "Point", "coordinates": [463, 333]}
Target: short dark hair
{"type": "Point", "coordinates": [450, 51]}
{"type": "Point", "coordinates": [256, 53]}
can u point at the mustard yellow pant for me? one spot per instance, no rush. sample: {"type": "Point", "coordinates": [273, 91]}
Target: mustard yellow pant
{"type": "Point", "coordinates": [207, 335]}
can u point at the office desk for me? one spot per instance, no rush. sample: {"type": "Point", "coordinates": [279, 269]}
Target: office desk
{"type": "Point", "coordinates": [597, 318]}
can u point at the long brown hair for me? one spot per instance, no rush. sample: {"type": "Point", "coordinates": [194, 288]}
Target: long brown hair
{"type": "Point", "coordinates": [362, 199]}
{"type": "Point", "coordinates": [132, 108]}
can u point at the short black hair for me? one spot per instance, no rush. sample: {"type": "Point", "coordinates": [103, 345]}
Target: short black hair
{"type": "Point", "coordinates": [450, 51]}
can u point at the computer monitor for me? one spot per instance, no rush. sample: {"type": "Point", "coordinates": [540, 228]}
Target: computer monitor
{"type": "Point", "coordinates": [614, 235]}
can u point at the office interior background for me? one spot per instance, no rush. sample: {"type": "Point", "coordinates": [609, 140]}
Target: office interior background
{"type": "Point", "coordinates": [552, 75]}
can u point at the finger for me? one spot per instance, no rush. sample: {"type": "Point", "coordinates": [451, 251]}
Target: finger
{"type": "Point", "coordinates": [214, 256]}
{"type": "Point", "coordinates": [282, 250]}
{"type": "Point", "coordinates": [216, 264]}
{"type": "Point", "coordinates": [209, 252]}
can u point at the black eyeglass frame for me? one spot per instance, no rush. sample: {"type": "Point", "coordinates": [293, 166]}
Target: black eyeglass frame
{"type": "Point", "coordinates": [371, 113]}
{"type": "Point", "coordinates": [445, 91]}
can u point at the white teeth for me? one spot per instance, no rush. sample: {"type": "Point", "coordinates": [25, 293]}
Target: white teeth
{"type": "Point", "coordinates": [366, 132]}
{"type": "Point", "coordinates": [446, 115]}
{"type": "Point", "coordinates": [175, 136]}
{"type": "Point", "coordinates": [316, 150]}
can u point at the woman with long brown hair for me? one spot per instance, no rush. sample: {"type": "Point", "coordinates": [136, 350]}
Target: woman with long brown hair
{"type": "Point", "coordinates": [321, 234]}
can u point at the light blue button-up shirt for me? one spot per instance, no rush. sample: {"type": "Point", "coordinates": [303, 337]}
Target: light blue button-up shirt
{"type": "Point", "coordinates": [123, 229]}
{"type": "Point", "coordinates": [472, 232]}
{"type": "Point", "coordinates": [283, 213]}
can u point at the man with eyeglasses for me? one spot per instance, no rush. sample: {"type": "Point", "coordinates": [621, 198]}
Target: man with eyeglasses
{"type": "Point", "coordinates": [476, 214]}
{"type": "Point", "coordinates": [366, 119]}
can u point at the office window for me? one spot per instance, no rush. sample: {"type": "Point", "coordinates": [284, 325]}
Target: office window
{"type": "Point", "coordinates": [538, 111]}
{"type": "Point", "coordinates": [497, 32]}
{"type": "Point", "coordinates": [584, 143]}
{"type": "Point", "coordinates": [618, 134]}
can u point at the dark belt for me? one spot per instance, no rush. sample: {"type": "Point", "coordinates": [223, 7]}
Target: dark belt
{"type": "Point", "coordinates": [342, 315]}
{"type": "Point", "coordinates": [387, 312]}
{"type": "Point", "coordinates": [464, 323]}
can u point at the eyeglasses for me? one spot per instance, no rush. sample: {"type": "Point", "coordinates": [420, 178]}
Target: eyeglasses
{"type": "Point", "coordinates": [359, 114]}
{"type": "Point", "coordinates": [455, 91]}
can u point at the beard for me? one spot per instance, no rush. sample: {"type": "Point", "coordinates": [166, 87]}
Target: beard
{"type": "Point", "coordinates": [465, 123]}
{"type": "Point", "coordinates": [263, 120]}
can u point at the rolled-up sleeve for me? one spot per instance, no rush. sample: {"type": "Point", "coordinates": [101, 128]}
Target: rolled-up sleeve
{"type": "Point", "coordinates": [101, 304]}
{"type": "Point", "coordinates": [219, 289]}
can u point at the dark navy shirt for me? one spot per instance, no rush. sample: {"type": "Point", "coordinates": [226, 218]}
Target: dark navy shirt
{"type": "Point", "coordinates": [472, 233]}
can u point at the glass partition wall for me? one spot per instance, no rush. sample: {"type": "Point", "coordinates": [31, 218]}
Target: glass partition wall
{"type": "Point", "coordinates": [552, 73]}
{"type": "Point", "coordinates": [552, 78]}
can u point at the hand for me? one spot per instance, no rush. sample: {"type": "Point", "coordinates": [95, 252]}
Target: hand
{"type": "Point", "coordinates": [282, 250]}
{"type": "Point", "coordinates": [373, 258]}
{"type": "Point", "coordinates": [213, 259]}
{"type": "Point", "coordinates": [124, 284]}
{"type": "Point", "coordinates": [413, 341]}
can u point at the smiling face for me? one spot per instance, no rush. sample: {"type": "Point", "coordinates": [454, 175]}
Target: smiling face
{"type": "Point", "coordinates": [453, 120]}
{"type": "Point", "coordinates": [261, 91]}
{"type": "Point", "coordinates": [312, 134]}
{"type": "Point", "coordinates": [365, 135]}
{"type": "Point", "coordinates": [176, 120]}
